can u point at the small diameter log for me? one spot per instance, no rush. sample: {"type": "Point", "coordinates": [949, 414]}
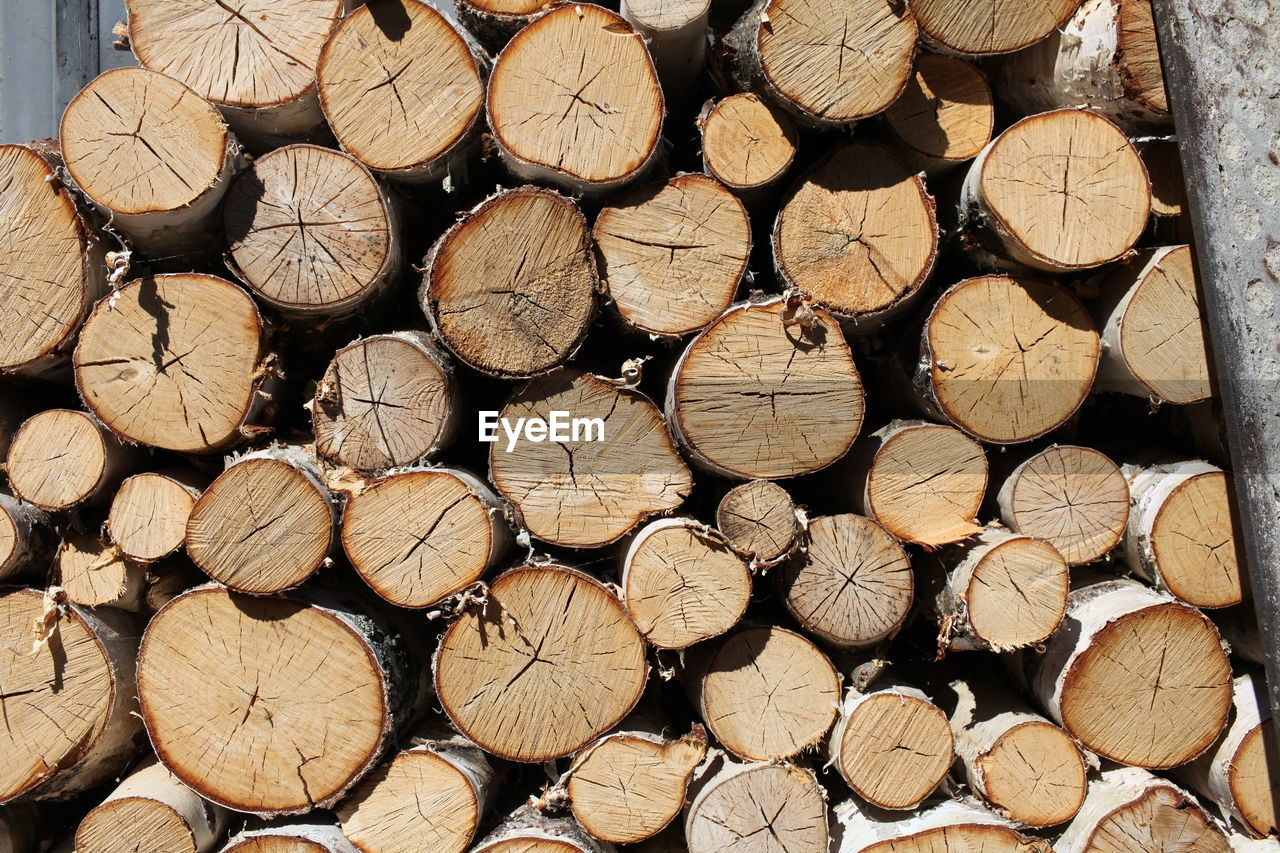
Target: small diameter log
{"type": "Point", "coordinates": [950, 825]}
{"type": "Point", "coordinates": [266, 524]}
{"type": "Point", "coordinates": [759, 519]}
{"type": "Point", "coordinates": [754, 397]}
{"type": "Point", "coordinates": [384, 401]}
{"type": "Point", "coordinates": [403, 89]}
{"type": "Point", "coordinates": [1134, 675]}
{"type": "Point", "coordinates": [595, 486]}
{"type": "Point", "coordinates": [1129, 809]}
{"type": "Point", "coordinates": [494, 22]}
{"type": "Point", "coordinates": [747, 143]}
{"type": "Point", "coordinates": [151, 810]}
{"type": "Point", "coordinates": [1061, 191]}
{"type": "Point", "coordinates": [627, 786]}
{"type": "Point", "coordinates": [672, 254]}
{"type": "Point", "coordinates": [528, 830]}
{"type": "Point", "coordinates": [69, 701]}
{"type": "Point", "coordinates": [944, 117]}
{"type": "Point", "coordinates": [755, 808]}
{"type": "Point", "coordinates": [574, 100]}
{"type": "Point", "coordinates": [858, 234]}
{"type": "Point", "coordinates": [511, 288]}
{"type": "Point", "coordinates": [923, 482]}
{"type": "Point", "coordinates": [94, 573]}
{"type": "Point", "coordinates": [176, 362]}
{"type": "Point", "coordinates": [830, 63]}
{"type": "Point", "coordinates": [676, 33]}
{"type": "Point", "coordinates": [1181, 535]}
{"type": "Point", "coordinates": [851, 585]}
{"type": "Point", "coordinates": [416, 537]}
{"type": "Point", "coordinates": [988, 26]}
{"type": "Point", "coordinates": [1074, 498]}
{"type": "Point", "coordinates": [26, 538]}
{"type": "Point", "coordinates": [61, 458]}
{"type": "Point", "coordinates": [153, 155]}
{"type": "Point", "coordinates": [168, 579]}
{"type": "Point", "coordinates": [1164, 168]}
{"type": "Point", "coordinates": [566, 667]}
{"type": "Point", "coordinates": [310, 835]}
{"type": "Point", "coordinates": [1007, 359]}
{"type": "Point", "coordinates": [270, 681]}
{"type": "Point", "coordinates": [1155, 343]}
{"type": "Point", "coordinates": [682, 585]}
{"type": "Point", "coordinates": [149, 512]}
{"type": "Point", "coordinates": [52, 263]}
{"type": "Point", "coordinates": [766, 693]}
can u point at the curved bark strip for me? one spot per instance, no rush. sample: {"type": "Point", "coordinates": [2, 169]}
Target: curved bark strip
{"type": "Point", "coordinates": [1129, 809]}
{"type": "Point", "coordinates": [951, 825]}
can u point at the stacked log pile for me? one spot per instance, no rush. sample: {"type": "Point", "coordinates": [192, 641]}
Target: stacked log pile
{"type": "Point", "coordinates": [684, 425]}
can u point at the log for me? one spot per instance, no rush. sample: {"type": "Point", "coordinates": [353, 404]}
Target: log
{"type": "Point", "coordinates": [676, 34]}
{"type": "Point", "coordinates": [1019, 371]}
{"type": "Point", "coordinates": [418, 536]}
{"type": "Point", "coordinates": [18, 830]}
{"type": "Point", "coordinates": [851, 585]}
{"type": "Point", "coordinates": [266, 523]}
{"type": "Point", "coordinates": [153, 156]}
{"type": "Point", "coordinates": [744, 808]}
{"type": "Point", "coordinates": [528, 830]}
{"type": "Point", "coordinates": [592, 488]}
{"type": "Point", "coordinates": [176, 361]}
{"type": "Point", "coordinates": [62, 458]}
{"type": "Point", "coordinates": [384, 401]}
{"type": "Point", "coordinates": [944, 117]}
{"type": "Point", "coordinates": [858, 234]}
{"type": "Point", "coordinates": [26, 538]}
{"type": "Point", "coordinates": [574, 101]}
{"type": "Point", "coordinates": [311, 835]}
{"type": "Point", "coordinates": [766, 693]}
{"type": "Point", "coordinates": [1240, 630]}
{"type": "Point", "coordinates": [1072, 497]}
{"type": "Point", "coordinates": [168, 579]}
{"type": "Point", "coordinates": [148, 519]}
{"type": "Point", "coordinates": [1164, 167]}
{"type": "Point", "coordinates": [759, 519]}
{"type": "Point", "coordinates": [94, 573]}
{"type": "Point", "coordinates": [285, 676]}
{"type": "Point", "coordinates": [494, 22]}
{"type": "Point", "coordinates": [748, 144]}
{"type": "Point", "coordinates": [950, 825]}
{"type": "Point", "coordinates": [1129, 809]}
{"type": "Point", "coordinates": [988, 27]}
{"type": "Point", "coordinates": [672, 254]}
{"type": "Point", "coordinates": [13, 412]}
{"type": "Point", "coordinates": [1059, 192]}
{"type": "Point", "coordinates": [52, 262]}
{"type": "Point", "coordinates": [828, 63]}
{"type": "Point", "coordinates": [69, 708]}
{"type": "Point", "coordinates": [682, 585]}
{"type": "Point", "coordinates": [151, 810]}
{"type": "Point", "coordinates": [566, 666]}
{"type": "Point", "coordinates": [753, 397]}
{"type": "Point", "coordinates": [510, 289]}
{"type": "Point", "coordinates": [403, 89]}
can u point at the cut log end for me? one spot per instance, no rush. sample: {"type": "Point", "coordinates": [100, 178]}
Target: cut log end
{"type": "Point", "coordinates": [1034, 774]}
{"type": "Point", "coordinates": [759, 520]}
{"type": "Point", "coordinates": [892, 746]}
{"type": "Point", "coordinates": [94, 574]}
{"type": "Point", "coordinates": [951, 825]}
{"type": "Point", "coordinates": [990, 26]}
{"type": "Point", "coordinates": [945, 116]}
{"type": "Point", "coordinates": [151, 810]}
{"type": "Point", "coordinates": [149, 514]}
{"type": "Point", "coordinates": [1129, 809]}
{"type": "Point", "coordinates": [739, 805]}
{"type": "Point", "coordinates": [747, 143]}
{"type": "Point", "coordinates": [60, 458]}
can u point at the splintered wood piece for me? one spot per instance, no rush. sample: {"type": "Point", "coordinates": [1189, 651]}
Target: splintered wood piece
{"type": "Point", "coordinates": [1158, 663]}
{"type": "Point", "coordinates": [851, 585]}
{"type": "Point", "coordinates": [950, 825]}
{"type": "Point", "coordinates": [1129, 809]}
{"type": "Point", "coordinates": [1060, 192]}
{"type": "Point", "coordinates": [747, 143]}
{"type": "Point", "coordinates": [26, 537]}
{"type": "Point", "coordinates": [1008, 359]}
{"type": "Point", "coordinates": [308, 836]}
{"type": "Point", "coordinates": [270, 680]}
{"type": "Point", "coordinates": [858, 234]}
{"type": "Point", "coordinates": [574, 100]}
{"type": "Point", "coordinates": [546, 665]}
{"type": "Point", "coordinates": [681, 585]}
{"type": "Point", "coordinates": [94, 573]}
{"type": "Point", "coordinates": [151, 810]}
{"type": "Point", "coordinates": [754, 397]}
{"type": "Point", "coordinates": [265, 524]}
{"type": "Point", "coordinates": [629, 785]}
{"type": "Point", "coordinates": [944, 117]}
{"type": "Point", "coordinates": [511, 287]}
{"type": "Point", "coordinates": [830, 62]}
{"type": "Point", "coordinates": [1153, 328]}
{"type": "Point", "coordinates": [923, 482]}
{"type": "Point", "coordinates": [76, 724]}
{"type": "Point", "coordinates": [149, 513]}
{"type": "Point", "coordinates": [417, 536]}
{"type": "Point", "coordinates": [1074, 498]}
{"type": "Point", "coordinates": [676, 34]}
{"type": "Point", "coordinates": [174, 361]}
{"type": "Point", "coordinates": [756, 808]}
{"type": "Point", "coordinates": [528, 830]}
{"type": "Point", "coordinates": [593, 487]}
{"type": "Point", "coordinates": [986, 27]}
{"type": "Point", "coordinates": [385, 400]}
{"type": "Point", "coordinates": [766, 693]}
{"type": "Point", "coordinates": [50, 261]}
{"type": "Point", "coordinates": [759, 519]}
{"type": "Point", "coordinates": [672, 254]}
{"type": "Point", "coordinates": [1182, 533]}
{"type": "Point", "coordinates": [152, 153]}
{"type": "Point", "coordinates": [62, 457]}
{"type": "Point", "coordinates": [402, 89]}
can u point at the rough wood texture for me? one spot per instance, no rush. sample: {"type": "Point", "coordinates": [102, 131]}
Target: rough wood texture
{"type": "Point", "coordinates": [94, 573]}
{"type": "Point", "coordinates": [62, 457]}
{"type": "Point", "coordinates": [313, 835]}
{"type": "Point", "coordinates": [950, 825]}
{"type": "Point", "coordinates": [26, 537]}
{"type": "Point", "coordinates": [755, 808]}
{"type": "Point", "coordinates": [988, 26]}
{"type": "Point", "coordinates": [149, 512]}
{"type": "Point", "coordinates": [747, 143]}
{"type": "Point", "coordinates": [529, 831]}
{"type": "Point", "coordinates": [759, 519]}
{"type": "Point", "coordinates": [151, 810]}
{"type": "Point", "coordinates": [944, 117]}
{"type": "Point", "coordinates": [1129, 809]}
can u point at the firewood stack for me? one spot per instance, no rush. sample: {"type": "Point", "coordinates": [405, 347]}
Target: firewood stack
{"type": "Point", "coordinates": [687, 425]}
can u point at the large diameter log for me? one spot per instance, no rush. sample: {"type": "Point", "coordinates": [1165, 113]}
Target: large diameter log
{"type": "Point", "coordinates": [26, 537]}
{"type": "Point", "coordinates": [676, 33]}
{"type": "Point", "coordinates": [752, 808]}
{"type": "Point", "coordinates": [62, 457]}
{"type": "Point", "coordinates": [950, 825]}
{"type": "Point", "coordinates": [148, 519]}
{"type": "Point", "coordinates": [151, 810]}
{"type": "Point", "coordinates": [567, 666]}
{"type": "Point", "coordinates": [574, 100]}
{"type": "Point", "coordinates": [944, 117]}
{"type": "Point", "coordinates": [314, 835]}
{"type": "Point", "coordinates": [1007, 359]}
{"type": "Point", "coordinates": [402, 89]}
{"type": "Point", "coordinates": [748, 144]}
{"type": "Point", "coordinates": [584, 488]}
{"type": "Point", "coordinates": [672, 254]}
{"type": "Point", "coordinates": [1060, 192]}
{"type": "Point", "coordinates": [299, 697]}
{"type": "Point", "coordinates": [1129, 809]}
{"type": "Point", "coordinates": [1134, 675]}
{"type": "Point", "coordinates": [71, 716]}
{"type": "Point", "coordinates": [528, 830]}
{"type": "Point", "coordinates": [511, 288]}
{"type": "Point", "coordinates": [153, 155]}
{"type": "Point", "coordinates": [94, 573]}
{"type": "Point", "coordinates": [176, 362]}
{"type": "Point", "coordinates": [753, 397]}
{"type": "Point", "coordinates": [759, 519]}
{"type": "Point", "coordinates": [52, 265]}
{"type": "Point", "coordinates": [988, 26]}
